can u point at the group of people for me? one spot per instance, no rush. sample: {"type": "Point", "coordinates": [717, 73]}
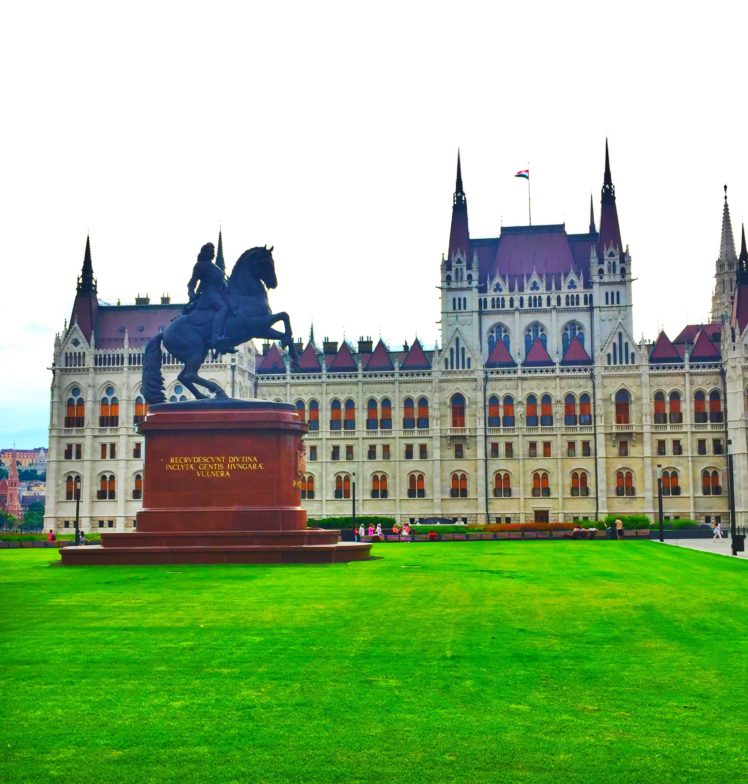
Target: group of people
{"type": "Point", "coordinates": [372, 531]}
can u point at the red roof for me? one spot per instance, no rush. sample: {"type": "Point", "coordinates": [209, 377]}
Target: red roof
{"type": "Point", "coordinates": [739, 318]}
{"type": "Point", "coordinates": [538, 354]}
{"type": "Point", "coordinates": [523, 250]}
{"type": "Point", "coordinates": [704, 350]}
{"type": "Point", "coordinates": [343, 361]}
{"type": "Point", "coordinates": [500, 356]}
{"type": "Point", "coordinates": [416, 358]}
{"type": "Point", "coordinates": [690, 331]}
{"type": "Point", "coordinates": [576, 354]}
{"type": "Point", "coordinates": [664, 350]}
{"type": "Point", "coordinates": [308, 361]}
{"type": "Point", "coordinates": [272, 362]}
{"type": "Point", "coordinates": [141, 322]}
{"type": "Point", "coordinates": [379, 359]}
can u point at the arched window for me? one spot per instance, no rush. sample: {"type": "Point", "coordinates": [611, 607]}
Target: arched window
{"type": "Point", "coordinates": [585, 409]}
{"type": "Point", "coordinates": [699, 406]}
{"type": "Point", "coordinates": [178, 395]}
{"type": "Point", "coordinates": [499, 332]}
{"type": "Point", "coordinates": [137, 489]}
{"type": "Point", "coordinates": [107, 487]}
{"type": "Point", "coordinates": [541, 487]}
{"type": "Point", "coordinates": [531, 411]}
{"type": "Point", "coordinates": [423, 413]}
{"type": "Point", "coordinates": [625, 483]}
{"type": "Point", "coordinates": [75, 410]}
{"type": "Point", "coordinates": [570, 410]}
{"type": "Point", "coordinates": [660, 417]}
{"type": "Point", "coordinates": [307, 487]}
{"type": "Point", "coordinates": [507, 419]}
{"type": "Point", "coordinates": [580, 483]}
{"type": "Point", "coordinates": [409, 414]}
{"type": "Point", "coordinates": [572, 330]}
{"type": "Point", "coordinates": [343, 486]}
{"type": "Point", "coordinates": [349, 422]}
{"type": "Point", "coordinates": [372, 420]}
{"type": "Point", "coordinates": [710, 482]}
{"type": "Point", "coordinates": [502, 485]}
{"type": "Point", "coordinates": [141, 409]}
{"type": "Point", "coordinates": [301, 410]}
{"type": "Point", "coordinates": [670, 484]}
{"type": "Point", "coordinates": [622, 406]}
{"type": "Point", "coordinates": [379, 486]}
{"type": "Point", "coordinates": [532, 333]}
{"type": "Point", "coordinates": [416, 485]}
{"type": "Point", "coordinates": [457, 405]}
{"type": "Point", "coordinates": [546, 411]}
{"type": "Point", "coordinates": [313, 415]}
{"type": "Point", "coordinates": [385, 423]}
{"type": "Point", "coordinates": [494, 418]}
{"type": "Point", "coordinates": [459, 486]}
{"type": "Point", "coordinates": [715, 406]}
{"type": "Point", "coordinates": [336, 415]}
{"type": "Point", "coordinates": [676, 415]}
{"type": "Point", "coordinates": [72, 485]}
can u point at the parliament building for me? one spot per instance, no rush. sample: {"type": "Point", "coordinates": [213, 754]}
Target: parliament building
{"type": "Point", "coordinates": [538, 404]}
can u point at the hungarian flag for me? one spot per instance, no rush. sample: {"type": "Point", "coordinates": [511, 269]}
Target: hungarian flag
{"type": "Point", "coordinates": [525, 174]}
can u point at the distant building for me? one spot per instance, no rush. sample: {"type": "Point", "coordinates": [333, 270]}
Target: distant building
{"type": "Point", "coordinates": [9, 490]}
{"type": "Point", "coordinates": [539, 404]}
{"type": "Point", "coordinates": [26, 458]}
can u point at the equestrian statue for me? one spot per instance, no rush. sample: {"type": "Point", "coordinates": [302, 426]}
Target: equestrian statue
{"type": "Point", "coordinates": [220, 316]}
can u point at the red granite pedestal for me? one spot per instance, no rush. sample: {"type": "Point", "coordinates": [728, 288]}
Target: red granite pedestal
{"type": "Point", "coordinates": [222, 485]}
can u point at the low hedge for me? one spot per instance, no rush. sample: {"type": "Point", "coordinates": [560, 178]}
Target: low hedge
{"type": "Point", "coordinates": [4, 537]}
{"type": "Point", "coordinates": [348, 522]}
{"type": "Point", "coordinates": [629, 521]}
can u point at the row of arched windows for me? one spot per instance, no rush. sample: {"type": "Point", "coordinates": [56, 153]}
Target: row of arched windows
{"type": "Point", "coordinates": [501, 411]}
{"type": "Point", "coordinates": [535, 300]}
{"type": "Point", "coordinates": [75, 409]}
{"type": "Point", "coordinates": [106, 487]}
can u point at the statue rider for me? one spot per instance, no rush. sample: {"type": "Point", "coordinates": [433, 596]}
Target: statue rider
{"type": "Point", "coordinates": [212, 291]}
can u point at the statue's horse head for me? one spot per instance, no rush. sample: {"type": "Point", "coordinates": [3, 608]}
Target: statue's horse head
{"type": "Point", "coordinates": [258, 262]}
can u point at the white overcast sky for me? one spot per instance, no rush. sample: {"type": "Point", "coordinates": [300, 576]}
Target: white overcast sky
{"type": "Point", "coordinates": [330, 130]}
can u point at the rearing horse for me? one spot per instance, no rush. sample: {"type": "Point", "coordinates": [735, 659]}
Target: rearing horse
{"type": "Point", "coordinates": [187, 337]}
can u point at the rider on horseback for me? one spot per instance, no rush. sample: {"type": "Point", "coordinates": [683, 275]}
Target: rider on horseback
{"type": "Point", "coordinates": [212, 292]}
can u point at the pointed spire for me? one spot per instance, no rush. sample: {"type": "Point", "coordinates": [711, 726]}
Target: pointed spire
{"type": "Point", "coordinates": [743, 258]}
{"type": "Point", "coordinates": [87, 282]}
{"type": "Point", "coordinates": [459, 236]}
{"type": "Point", "coordinates": [459, 192]}
{"type": "Point", "coordinates": [727, 242]}
{"type": "Point", "coordinates": [311, 335]}
{"type": "Point", "coordinates": [610, 233]}
{"type": "Point", "coordinates": [593, 230]}
{"type": "Point", "coordinates": [220, 263]}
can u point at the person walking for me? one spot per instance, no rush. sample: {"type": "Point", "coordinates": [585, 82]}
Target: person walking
{"type": "Point", "coordinates": [717, 530]}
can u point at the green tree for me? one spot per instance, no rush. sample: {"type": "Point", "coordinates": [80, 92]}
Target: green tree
{"type": "Point", "coordinates": [7, 520]}
{"type": "Point", "coordinates": [33, 520]}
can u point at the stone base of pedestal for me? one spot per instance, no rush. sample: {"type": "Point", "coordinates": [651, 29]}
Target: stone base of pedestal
{"type": "Point", "coordinates": [222, 485]}
{"type": "Point", "coordinates": [218, 552]}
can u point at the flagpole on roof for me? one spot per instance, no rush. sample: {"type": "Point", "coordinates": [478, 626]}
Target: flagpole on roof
{"type": "Point", "coordinates": [529, 202]}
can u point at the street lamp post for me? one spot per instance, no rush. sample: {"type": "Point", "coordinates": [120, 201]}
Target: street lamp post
{"type": "Point", "coordinates": [731, 498]}
{"type": "Point", "coordinates": [77, 492]}
{"type": "Point", "coordinates": [659, 501]}
{"type": "Point", "coordinates": [353, 499]}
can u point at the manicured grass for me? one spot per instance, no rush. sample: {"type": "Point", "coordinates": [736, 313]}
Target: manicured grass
{"type": "Point", "coordinates": [466, 662]}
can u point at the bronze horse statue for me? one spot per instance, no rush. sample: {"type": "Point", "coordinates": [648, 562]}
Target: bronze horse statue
{"type": "Point", "coordinates": [188, 337]}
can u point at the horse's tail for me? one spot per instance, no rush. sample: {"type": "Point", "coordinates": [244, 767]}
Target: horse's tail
{"type": "Point", "coordinates": [153, 379]}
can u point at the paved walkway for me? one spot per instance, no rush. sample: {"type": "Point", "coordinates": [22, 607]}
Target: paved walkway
{"type": "Point", "coordinates": [719, 547]}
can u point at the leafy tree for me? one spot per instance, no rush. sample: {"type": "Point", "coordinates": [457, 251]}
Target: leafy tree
{"type": "Point", "coordinates": [7, 520]}
{"type": "Point", "coordinates": [33, 520]}
{"type": "Point", "coordinates": [30, 475]}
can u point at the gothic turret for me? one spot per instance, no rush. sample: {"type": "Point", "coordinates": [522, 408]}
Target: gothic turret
{"type": "Point", "coordinates": [459, 237]}
{"type": "Point", "coordinates": [610, 233]}
{"type": "Point", "coordinates": [86, 305]}
{"type": "Point", "coordinates": [724, 276]}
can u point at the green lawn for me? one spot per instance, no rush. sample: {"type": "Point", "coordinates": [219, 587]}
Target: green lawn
{"type": "Point", "coordinates": [465, 662]}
